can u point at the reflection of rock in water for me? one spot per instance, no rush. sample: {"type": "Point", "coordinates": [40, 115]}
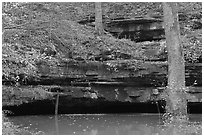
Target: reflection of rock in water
{"type": "Point", "coordinates": [109, 124]}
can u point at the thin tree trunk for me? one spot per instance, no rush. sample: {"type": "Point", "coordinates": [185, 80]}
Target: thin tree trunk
{"type": "Point", "coordinates": [57, 103]}
{"type": "Point", "coordinates": [176, 103]}
{"type": "Point", "coordinates": [98, 18]}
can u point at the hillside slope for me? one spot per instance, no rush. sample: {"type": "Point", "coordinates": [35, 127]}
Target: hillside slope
{"type": "Point", "coordinates": [49, 31]}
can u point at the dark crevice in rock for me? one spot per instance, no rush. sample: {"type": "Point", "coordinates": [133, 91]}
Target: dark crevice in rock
{"type": "Point", "coordinates": [87, 106]}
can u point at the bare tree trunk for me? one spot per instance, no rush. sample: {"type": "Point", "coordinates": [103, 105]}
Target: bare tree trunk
{"type": "Point", "coordinates": [98, 18]}
{"type": "Point", "coordinates": [57, 103]}
{"type": "Point", "coordinates": [176, 103]}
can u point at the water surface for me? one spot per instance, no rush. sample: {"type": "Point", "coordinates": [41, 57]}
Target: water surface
{"type": "Point", "coordinates": [107, 124]}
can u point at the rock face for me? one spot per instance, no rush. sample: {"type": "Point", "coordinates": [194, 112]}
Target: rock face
{"type": "Point", "coordinates": [137, 29]}
{"type": "Point", "coordinates": [112, 82]}
{"type": "Point", "coordinates": [106, 87]}
{"type": "Point", "coordinates": [123, 72]}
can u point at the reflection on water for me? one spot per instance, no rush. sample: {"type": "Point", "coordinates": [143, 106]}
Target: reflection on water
{"type": "Point", "coordinates": [107, 124]}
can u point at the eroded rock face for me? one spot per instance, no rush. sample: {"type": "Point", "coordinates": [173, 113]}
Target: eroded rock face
{"type": "Point", "coordinates": [94, 86]}
{"type": "Point", "coordinates": [137, 29]}
{"type": "Point", "coordinates": [93, 99]}
{"type": "Point", "coordinates": [121, 72]}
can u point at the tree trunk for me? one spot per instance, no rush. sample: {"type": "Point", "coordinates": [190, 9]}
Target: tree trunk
{"type": "Point", "coordinates": [98, 18]}
{"type": "Point", "coordinates": [176, 103]}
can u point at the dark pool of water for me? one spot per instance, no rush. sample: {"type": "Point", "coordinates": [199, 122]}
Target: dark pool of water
{"type": "Point", "coordinates": [107, 124]}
